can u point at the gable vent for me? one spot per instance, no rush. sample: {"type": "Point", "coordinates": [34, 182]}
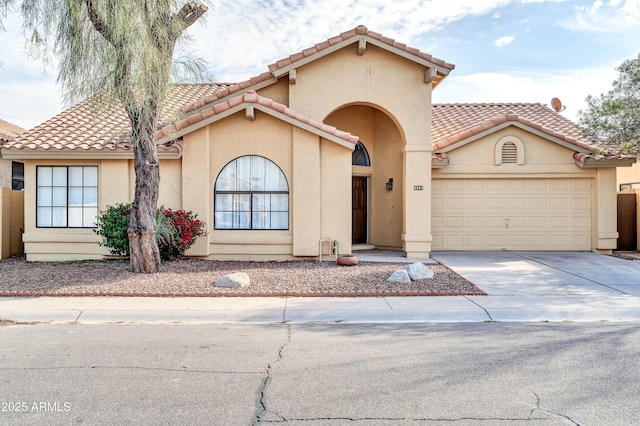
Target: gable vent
{"type": "Point", "coordinates": [509, 153]}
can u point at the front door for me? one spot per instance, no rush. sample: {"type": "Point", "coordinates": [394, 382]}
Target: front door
{"type": "Point", "coordinates": [359, 216]}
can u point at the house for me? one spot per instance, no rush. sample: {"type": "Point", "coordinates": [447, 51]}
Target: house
{"type": "Point", "coordinates": [340, 142]}
{"type": "Point", "coordinates": [11, 172]}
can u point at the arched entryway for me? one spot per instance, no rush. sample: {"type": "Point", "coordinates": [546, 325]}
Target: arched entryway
{"type": "Point", "coordinates": [377, 180]}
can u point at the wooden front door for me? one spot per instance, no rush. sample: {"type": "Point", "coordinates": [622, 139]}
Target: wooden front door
{"type": "Point", "coordinates": [359, 216]}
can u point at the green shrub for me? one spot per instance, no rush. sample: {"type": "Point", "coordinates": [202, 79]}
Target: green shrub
{"type": "Point", "coordinates": [176, 230]}
{"type": "Point", "coordinates": [112, 226]}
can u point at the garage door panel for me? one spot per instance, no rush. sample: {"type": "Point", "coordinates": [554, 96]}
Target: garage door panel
{"type": "Point", "coordinates": [495, 222]}
{"type": "Point", "coordinates": [454, 221]}
{"type": "Point", "coordinates": [496, 202]}
{"type": "Point", "coordinates": [580, 185]}
{"type": "Point", "coordinates": [475, 222]}
{"type": "Point", "coordinates": [524, 214]}
{"type": "Point", "coordinates": [537, 203]}
{"type": "Point", "coordinates": [496, 185]}
{"type": "Point", "coordinates": [475, 203]}
{"type": "Point", "coordinates": [580, 222]}
{"type": "Point", "coordinates": [454, 203]}
{"type": "Point", "coordinates": [476, 241]}
{"type": "Point", "coordinates": [560, 203]}
{"type": "Point", "coordinates": [518, 203]}
{"type": "Point", "coordinates": [515, 222]}
{"type": "Point", "coordinates": [580, 203]}
{"type": "Point", "coordinates": [537, 222]}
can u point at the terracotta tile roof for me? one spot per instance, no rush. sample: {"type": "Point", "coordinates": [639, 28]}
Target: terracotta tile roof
{"type": "Point", "coordinates": [358, 31]}
{"type": "Point", "coordinates": [318, 48]}
{"type": "Point", "coordinates": [9, 131]}
{"type": "Point", "coordinates": [90, 125]}
{"type": "Point", "coordinates": [454, 123]}
{"type": "Point", "coordinates": [587, 160]}
{"type": "Point", "coordinates": [251, 97]}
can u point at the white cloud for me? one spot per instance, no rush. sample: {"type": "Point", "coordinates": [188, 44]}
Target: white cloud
{"type": "Point", "coordinates": [615, 16]}
{"type": "Point", "coordinates": [28, 96]}
{"type": "Point", "coordinates": [503, 41]}
{"type": "Point", "coordinates": [243, 36]}
{"type": "Point", "coordinates": [529, 86]}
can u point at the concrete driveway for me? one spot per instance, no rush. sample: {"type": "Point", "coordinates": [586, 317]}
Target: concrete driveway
{"type": "Point", "coordinates": [573, 285]}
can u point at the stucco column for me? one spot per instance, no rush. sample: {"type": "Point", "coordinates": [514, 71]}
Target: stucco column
{"type": "Point", "coordinates": [305, 193]}
{"type": "Point", "coordinates": [416, 234]}
{"type": "Point", "coordinates": [606, 217]}
{"type": "Point", "coordinates": [197, 185]}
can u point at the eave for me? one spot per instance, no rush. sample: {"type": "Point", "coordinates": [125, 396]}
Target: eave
{"type": "Point", "coordinates": [593, 161]}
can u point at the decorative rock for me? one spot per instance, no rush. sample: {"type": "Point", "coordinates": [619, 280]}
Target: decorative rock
{"type": "Point", "coordinates": [399, 277]}
{"type": "Point", "coordinates": [236, 279]}
{"type": "Point", "coordinates": [417, 271]}
{"type": "Point", "coordinates": [347, 260]}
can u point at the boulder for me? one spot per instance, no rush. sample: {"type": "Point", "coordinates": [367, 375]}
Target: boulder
{"type": "Point", "coordinates": [399, 277]}
{"type": "Point", "coordinates": [236, 279]}
{"type": "Point", "coordinates": [417, 271]}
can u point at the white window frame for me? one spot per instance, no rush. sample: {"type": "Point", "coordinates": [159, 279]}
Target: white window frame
{"type": "Point", "coordinates": [66, 196]}
{"type": "Point", "coordinates": [239, 204]}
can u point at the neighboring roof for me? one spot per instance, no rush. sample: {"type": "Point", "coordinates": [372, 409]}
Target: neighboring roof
{"type": "Point", "coordinates": [92, 125]}
{"type": "Point", "coordinates": [454, 125]}
{"type": "Point", "coordinates": [253, 101]}
{"type": "Point", "coordinates": [361, 32]}
{"type": "Point", "coordinates": [9, 131]}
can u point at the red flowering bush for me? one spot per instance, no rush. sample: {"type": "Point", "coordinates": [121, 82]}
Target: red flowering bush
{"type": "Point", "coordinates": [186, 229]}
{"type": "Point", "coordinates": [177, 230]}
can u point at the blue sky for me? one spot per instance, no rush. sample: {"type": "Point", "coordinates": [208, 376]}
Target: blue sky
{"type": "Point", "coordinates": [504, 50]}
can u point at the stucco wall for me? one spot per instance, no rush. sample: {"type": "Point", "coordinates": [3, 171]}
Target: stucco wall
{"type": "Point", "coordinates": [5, 174]}
{"type": "Point", "coordinates": [308, 162]}
{"type": "Point", "coordinates": [628, 175]}
{"type": "Point", "coordinates": [383, 99]}
{"type": "Point", "coordinates": [541, 156]}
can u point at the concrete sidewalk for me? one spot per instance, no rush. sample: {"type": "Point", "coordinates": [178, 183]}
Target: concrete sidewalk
{"type": "Point", "coordinates": [522, 287]}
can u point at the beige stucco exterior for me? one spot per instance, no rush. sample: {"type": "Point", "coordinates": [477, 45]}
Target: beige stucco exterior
{"type": "Point", "coordinates": [382, 95]}
{"type": "Point", "coordinates": [629, 177]}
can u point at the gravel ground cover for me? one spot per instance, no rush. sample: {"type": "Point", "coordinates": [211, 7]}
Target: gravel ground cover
{"type": "Point", "coordinates": [195, 277]}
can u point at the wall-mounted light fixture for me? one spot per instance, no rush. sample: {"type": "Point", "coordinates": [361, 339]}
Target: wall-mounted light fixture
{"type": "Point", "coordinates": [389, 184]}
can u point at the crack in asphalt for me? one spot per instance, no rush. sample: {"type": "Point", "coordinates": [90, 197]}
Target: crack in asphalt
{"type": "Point", "coordinates": [261, 406]}
{"type": "Point", "coordinates": [539, 407]}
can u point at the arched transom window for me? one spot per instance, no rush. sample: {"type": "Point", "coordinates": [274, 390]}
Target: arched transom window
{"type": "Point", "coordinates": [251, 192]}
{"type": "Point", "coordinates": [360, 156]}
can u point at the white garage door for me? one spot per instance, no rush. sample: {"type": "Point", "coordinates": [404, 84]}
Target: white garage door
{"type": "Point", "coordinates": [512, 214]}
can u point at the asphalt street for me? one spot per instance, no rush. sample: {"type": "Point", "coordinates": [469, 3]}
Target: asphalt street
{"type": "Point", "coordinates": [561, 373]}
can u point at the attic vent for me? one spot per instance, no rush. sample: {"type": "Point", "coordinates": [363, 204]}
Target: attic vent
{"type": "Point", "coordinates": [509, 153]}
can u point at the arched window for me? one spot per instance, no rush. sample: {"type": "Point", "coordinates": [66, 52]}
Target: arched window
{"type": "Point", "coordinates": [360, 156]}
{"type": "Point", "coordinates": [251, 192]}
